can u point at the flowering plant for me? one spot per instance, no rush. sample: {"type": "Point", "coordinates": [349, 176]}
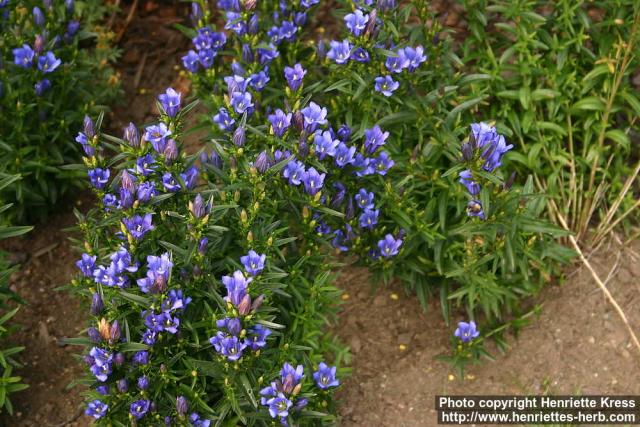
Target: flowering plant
{"type": "Point", "coordinates": [8, 298]}
{"type": "Point", "coordinates": [48, 80]}
{"type": "Point", "coordinates": [375, 166]}
{"type": "Point", "coordinates": [204, 308]}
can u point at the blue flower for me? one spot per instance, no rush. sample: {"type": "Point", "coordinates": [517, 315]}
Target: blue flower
{"type": "Point", "coordinates": [314, 115]}
{"type": "Point", "coordinates": [280, 122]}
{"type": "Point", "coordinates": [259, 80]}
{"type": "Point", "coordinates": [144, 165]}
{"type": "Point", "coordinates": [294, 171]}
{"type": "Point", "coordinates": [143, 382]}
{"type": "Point", "coordinates": [224, 120]}
{"type": "Point", "coordinates": [206, 57]}
{"type": "Point", "coordinates": [170, 101]}
{"type": "Point", "coordinates": [195, 421]}
{"type": "Point", "coordinates": [356, 22]}
{"type": "Point", "coordinates": [383, 163]}
{"type": "Point", "coordinates": [139, 408]}
{"type": "Point", "coordinates": [241, 102]}
{"type": "Point", "coordinates": [253, 262]}
{"type": "Point", "coordinates": [364, 199]}
{"type": "Point", "coordinates": [191, 61]}
{"type": "Point", "coordinates": [170, 183]}
{"type": "Point", "coordinates": [48, 62]}
{"type": "Point", "coordinates": [288, 31]}
{"type": "Point", "coordinates": [361, 55]}
{"type": "Point", "coordinates": [396, 64]}
{"type": "Point", "coordinates": [99, 177]}
{"type": "Point", "coordinates": [294, 76]}
{"type": "Point", "coordinates": [344, 155]}
{"type": "Point", "coordinates": [23, 56]}
{"type": "Point", "coordinates": [308, 3]}
{"type": "Point", "coordinates": [257, 337]}
{"type": "Point", "coordinates": [86, 264]}
{"type": "Point", "coordinates": [268, 54]}
{"type": "Point", "coordinates": [386, 85]}
{"type": "Point", "coordinates": [313, 181]}
{"type": "Point", "coordinates": [141, 358]}
{"type": "Point", "coordinates": [41, 87]}
{"type": "Point", "coordinates": [466, 331]}
{"type": "Point", "coordinates": [279, 406]}
{"type": "Point", "coordinates": [414, 56]}
{"type": "Point", "coordinates": [290, 377]}
{"type": "Point", "coordinates": [236, 287]}
{"type": "Point", "coordinates": [374, 138]}
{"type": "Point", "coordinates": [492, 144]}
{"type": "Point", "coordinates": [340, 52]}
{"type": "Point", "coordinates": [474, 208]}
{"type": "Point", "coordinates": [235, 23]}
{"type": "Point", "coordinates": [158, 272]}
{"type": "Point", "coordinates": [369, 218]}
{"type": "Point", "coordinates": [229, 5]}
{"type": "Point", "coordinates": [325, 376]}
{"type": "Point", "coordinates": [466, 179]}
{"type": "Point", "coordinates": [389, 246]}
{"type": "Point", "coordinates": [146, 191]}
{"type": "Point", "coordinates": [325, 145]}
{"type": "Point", "coordinates": [156, 135]}
{"type": "Point", "coordinates": [232, 347]}
{"type": "Point", "coordinates": [190, 177]}
{"type": "Point", "coordinates": [96, 409]}
{"type": "Point", "coordinates": [176, 301]}
{"type": "Point", "coordinates": [138, 225]}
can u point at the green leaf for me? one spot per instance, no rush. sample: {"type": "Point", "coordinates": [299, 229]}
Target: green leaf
{"type": "Point", "coordinates": [619, 137]}
{"type": "Point", "coordinates": [590, 103]}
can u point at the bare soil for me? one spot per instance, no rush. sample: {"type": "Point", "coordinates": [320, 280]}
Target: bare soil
{"type": "Point", "coordinates": [577, 346]}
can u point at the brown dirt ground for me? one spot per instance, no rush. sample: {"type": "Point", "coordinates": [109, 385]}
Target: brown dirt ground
{"type": "Point", "coordinates": [577, 346]}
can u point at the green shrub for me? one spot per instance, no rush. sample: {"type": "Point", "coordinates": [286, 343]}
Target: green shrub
{"type": "Point", "coordinates": [42, 101]}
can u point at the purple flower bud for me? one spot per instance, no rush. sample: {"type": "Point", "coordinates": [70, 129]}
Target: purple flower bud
{"type": "Point", "coordinates": [114, 332]}
{"type": "Point", "coordinates": [202, 245]}
{"type": "Point", "coordinates": [197, 207]}
{"type": "Point", "coordinates": [247, 53]}
{"type": "Point", "coordinates": [170, 151]}
{"type": "Point", "coordinates": [38, 17]}
{"type": "Point", "coordinates": [344, 133]}
{"type": "Point", "coordinates": [143, 382]}
{"type": "Point", "coordinates": [303, 147]}
{"type": "Point", "coordinates": [70, 5]}
{"type": "Point", "coordinates": [467, 152]}
{"type": "Point", "coordinates": [94, 335]}
{"type": "Point", "coordinates": [253, 26]}
{"type": "Point", "coordinates": [47, 4]}
{"type": "Point", "coordinates": [298, 120]}
{"type": "Point", "coordinates": [38, 44]}
{"type": "Point", "coordinates": [41, 87]}
{"type": "Point", "coordinates": [245, 305]}
{"type": "Point", "coordinates": [371, 25]}
{"type": "Point", "coordinates": [182, 406]}
{"type": "Point", "coordinates": [239, 137]}
{"type": "Point", "coordinates": [509, 183]}
{"type": "Point", "coordinates": [262, 162]}
{"type": "Point", "coordinates": [127, 182]}
{"type": "Point", "coordinates": [96, 304]}
{"type": "Point", "coordinates": [257, 303]}
{"type": "Point", "coordinates": [119, 359]}
{"type": "Point", "coordinates": [88, 127]}
{"type": "Point", "coordinates": [321, 50]}
{"type": "Point", "coordinates": [131, 135]}
{"type": "Point", "coordinates": [122, 386]}
{"type": "Point", "coordinates": [350, 211]}
{"type": "Point", "coordinates": [196, 11]}
{"type": "Point", "coordinates": [249, 4]}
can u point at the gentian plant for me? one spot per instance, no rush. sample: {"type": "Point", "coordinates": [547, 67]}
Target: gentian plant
{"type": "Point", "coordinates": [54, 68]}
{"type": "Point", "coordinates": [201, 302]}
